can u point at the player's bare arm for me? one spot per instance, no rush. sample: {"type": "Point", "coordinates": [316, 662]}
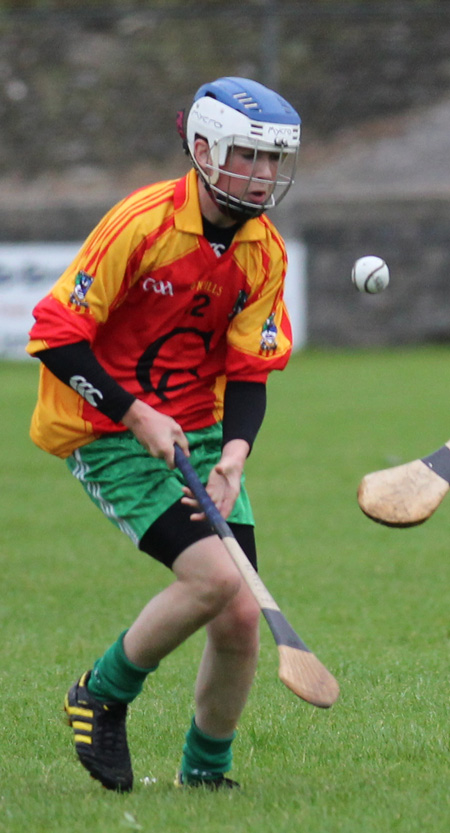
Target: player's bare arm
{"type": "Point", "coordinates": [157, 432]}
{"type": "Point", "coordinates": [224, 481]}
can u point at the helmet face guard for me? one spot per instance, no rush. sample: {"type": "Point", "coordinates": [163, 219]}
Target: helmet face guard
{"type": "Point", "coordinates": [276, 187]}
{"type": "Point", "coordinates": [235, 113]}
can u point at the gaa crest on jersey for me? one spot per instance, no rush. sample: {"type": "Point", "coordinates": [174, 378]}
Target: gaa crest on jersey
{"type": "Point", "coordinates": [269, 333]}
{"type": "Point", "coordinates": [82, 283]}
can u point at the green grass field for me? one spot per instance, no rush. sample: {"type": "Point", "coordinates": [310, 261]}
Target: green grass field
{"type": "Point", "coordinates": [372, 603]}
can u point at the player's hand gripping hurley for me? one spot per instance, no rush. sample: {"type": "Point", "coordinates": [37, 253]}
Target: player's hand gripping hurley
{"type": "Point", "coordinates": [299, 669]}
{"type": "Point", "coordinates": [406, 495]}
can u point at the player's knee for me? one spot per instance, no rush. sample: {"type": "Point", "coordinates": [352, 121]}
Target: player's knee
{"type": "Point", "coordinates": [238, 627]}
{"type": "Point", "coordinates": [209, 575]}
{"type": "Point", "coordinates": [245, 625]}
{"type": "Point", "coordinates": [218, 589]}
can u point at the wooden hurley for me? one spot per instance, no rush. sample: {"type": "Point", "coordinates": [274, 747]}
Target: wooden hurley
{"type": "Point", "coordinates": [299, 669]}
{"type": "Point", "coordinates": [406, 495]}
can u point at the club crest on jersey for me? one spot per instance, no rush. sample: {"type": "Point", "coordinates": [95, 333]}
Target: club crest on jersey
{"type": "Point", "coordinates": [269, 333]}
{"type": "Point", "coordinates": [82, 283]}
{"type": "Point", "coordinates": [241, 301]}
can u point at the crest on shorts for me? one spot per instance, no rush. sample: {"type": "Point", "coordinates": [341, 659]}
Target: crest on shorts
{"type": "Point", "coordinates": [269, 333]}
{"type": "Point", "coordinates": [82, 283]}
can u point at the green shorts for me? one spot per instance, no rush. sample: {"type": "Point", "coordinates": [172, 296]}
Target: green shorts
{"type": "Point", "coordinates": [133, 489]}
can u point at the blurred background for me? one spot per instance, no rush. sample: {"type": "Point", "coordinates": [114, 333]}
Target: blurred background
{"type": "Point", "coordinates": [88, 98]}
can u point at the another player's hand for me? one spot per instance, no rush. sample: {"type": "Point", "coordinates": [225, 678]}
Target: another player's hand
{"type": "Point", "coordinates": [157, 432]}
{"type": "Point", "coordinates": [224, 482]}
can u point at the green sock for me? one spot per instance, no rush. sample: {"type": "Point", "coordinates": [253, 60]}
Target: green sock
{"type": "Point", "coordinates": [204, 757]}
{"type": "Point", "coordinates": [115, 677]}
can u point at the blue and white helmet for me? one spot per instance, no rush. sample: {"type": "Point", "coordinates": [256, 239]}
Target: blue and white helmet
{"type": "Point", "coordinates": [237, 112]}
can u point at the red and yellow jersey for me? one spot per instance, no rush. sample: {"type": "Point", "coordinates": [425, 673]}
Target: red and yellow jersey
{"type": "Point", "coordinates": [166, 317]}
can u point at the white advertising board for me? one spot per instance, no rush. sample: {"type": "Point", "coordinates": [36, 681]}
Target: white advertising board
{"type": "Point", "coordinates": [28, 270]}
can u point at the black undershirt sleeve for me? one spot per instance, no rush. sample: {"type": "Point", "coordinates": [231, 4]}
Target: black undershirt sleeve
{"type": "Point", "coordinates": [244, 409]}
{"type": "Point", "coordinates": [76, 366]}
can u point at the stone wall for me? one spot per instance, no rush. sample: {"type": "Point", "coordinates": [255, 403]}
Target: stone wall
{"type": "Point", "coordinates": [100, 85]}
{"type": "Point", "coordinates": [413, 238]}
{"type": "Point", "coordinates": [88, 102]}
